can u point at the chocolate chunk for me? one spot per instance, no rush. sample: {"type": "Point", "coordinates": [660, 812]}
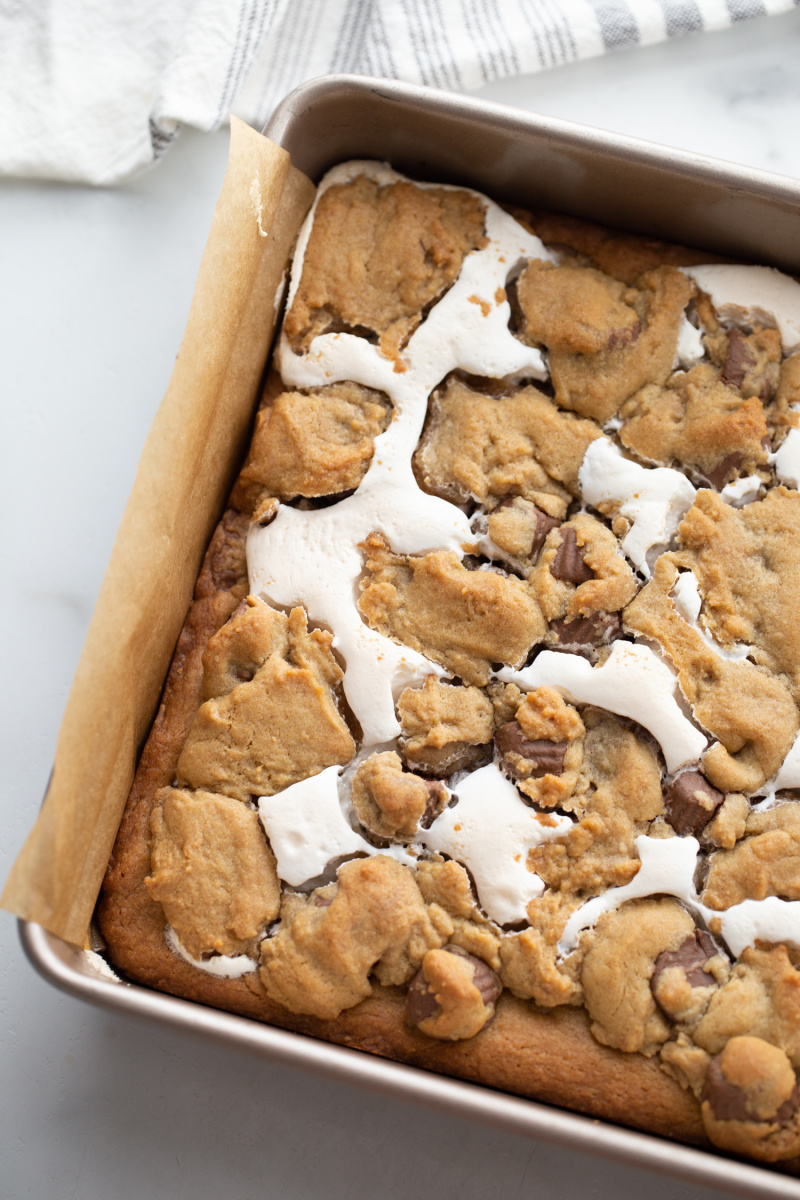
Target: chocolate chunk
{"type": "Point", "coordinates": [729, 1102]}
{"type": "Point", "coordinates": [718, 477]}
{"type": "Point", "coordinates": [472, 563]}
{"type": "Point", "coordinates": [437, 798]}
{"type": "Point", "coordinates": [690, 802]}
{"type": "Point", "coordinates": [568, 563]}
{"type": "Point", "coordinates": [544, 523]}
{"type": "Point", "coordinates": [322, 901]}
{"type": "Point", "coordinates": [738, 359]}
{"type": "Point", "coordinates": [421, 1003]}
{"type": "Point", "coordinates": [691, 956]}
{"type": "Point", "coordinates": [445, 760]}
{"type": "Point", "coordinates": [596, 630]}
{"type": "Point", "coordinates": [623, 337]}
{"type": "Point", "coordinates": [547, 757]}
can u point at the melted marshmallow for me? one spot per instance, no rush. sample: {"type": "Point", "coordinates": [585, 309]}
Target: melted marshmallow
{"type": "Point", "coordinates": [490, 831]}
{"type": "Point", "coordinates": [307, 827]}
{"type": "Point", "coordinates": [770, 920]}
{"type": "Point", "coordinates": [742, 491]}
{"type": "Point", "coordinates": [633, 681]}
{"type": "Point", "coordinates": [654, 499]}
{"type": "Point", "coordinates": [690, 349]}
{"type": "Point", "coordinates": [227, 966]}
{"type": "Point", "coordinates": [668, 867]}
{"type": "Point", "coordinates": [789, 774]}
{"type": "Point", "coordinates": [742, 295]}
{"type": "Point", "coordinates": [687, 600]}
{"type": "Point", "coordinates": [312, 557]}
{"type": "Point", "coordinates": [787, 459]}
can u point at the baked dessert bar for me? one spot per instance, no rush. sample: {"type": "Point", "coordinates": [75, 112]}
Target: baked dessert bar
{"type": "Point", "coordinates": [480, 745]}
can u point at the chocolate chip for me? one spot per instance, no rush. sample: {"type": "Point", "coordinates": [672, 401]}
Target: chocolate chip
{"type": "Point", "coordinates": [445, 760]}
{"type": "Point", "coordinates": [718, 476]}
{"type": "Point", "coordinates": [766, 440]}
{"type": "Point", "coordinates": [690, 802]}
{"type": "Point", "coordinates": [437, 797]}
{"type": "Point", "coordinates": [568, 563]}
{"type": "Point", "coordinates": [729, 1102]}
{"type": "Point", "coordinates": [547, 757]}
{"type": "Point", "coordinates": [596, 630]}
{"type": "Point", "coordinates": [421, 1002]}
{"type": "Point", "coordinates": [690, 957]}
{"type": "Point", "coordinates": [544, 523]}
{"type": "Point", "coordinates": [618, 338]}
{"type": "Point", "coordinates": [472, 563]}
{"type": "Point", "coordinates": [738, 359]}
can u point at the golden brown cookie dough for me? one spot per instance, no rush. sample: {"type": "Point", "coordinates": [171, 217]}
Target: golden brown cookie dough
{"type": "Point", "coordinates": [616, 796]}
{"type": "Point", "coordinates": [377, 257]}
{"type": "Point", "coordinates": [517, 529]}
{"type": "Point", "coordinates": [783, 415]}
{"type": "Point", "coordinates": [541, 749]}
{"type": "Point", "coordinates": [604, 340]}
{"type": "Point", "coordinates": [530, 964]}
{"type": "Point", "coordinates": [765, 863]}
{"type": "Point", "coordinates": [275, 729]}
{"type": "Point", "coordinates": [389, 801]}
{"type": "Point", "coordinates": [212, 871]}
{"type": "Point", "coordinates": [444, 728]}
{"type": "Point", "coordinates": [751, 1102]}
{"type": "Point", "coordinates": [619, 959]}
{"type": "Point", "coordinates": [453, 995]}
{"type": "Point", "coordinates": [747, 709]}
{"type": "Point", "coordinates": [748, 362]}
{"type": "Point", "coordinates": [445, 883]}
{"type": "Point", "coordinates": [321, 959]}
{"type": "Point", "coordinates": [477, 446]}
{"type": "Point", "coordinates": [762, 998]}
{"type": "Point", "coordinates": [314, 443]}
{"type": "Point", "coordinates": [465, 620]}
{"type": "Point", "coordinates": [599, 580]}
{"type": "Point", "coordinates": [700, 422]}
{"type": "Point", "coordinates": [621, 255]}
{"type": "Point", "coordinates": [747, 561]}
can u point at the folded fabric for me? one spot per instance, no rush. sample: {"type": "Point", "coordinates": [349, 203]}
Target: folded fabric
{"type": "Point", "coordinates": [95, 91]}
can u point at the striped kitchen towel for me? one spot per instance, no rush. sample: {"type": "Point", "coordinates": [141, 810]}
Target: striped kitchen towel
{"type": "Point", "coordinates": [94, 91]}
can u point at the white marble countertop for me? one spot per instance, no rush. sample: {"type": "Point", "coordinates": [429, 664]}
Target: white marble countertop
{"type": "Point", "coordinates": [96, 288]}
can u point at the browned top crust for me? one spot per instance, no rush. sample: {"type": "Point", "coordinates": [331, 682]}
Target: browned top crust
{"type": "Point", "coordinates": [477, 445]}
{"type": "Point", "coordinates": [378, 256]}
{"type": "Point", "coordinates": [424, 603]}
{"type": "Point", "coordinates": [604, 340]}
{"type": "Point", "coordinates": [401, 960]}
{"type": "Point", "coordinates": [621, 255]}
{"type": "Point", "coordinates": [314, 443]}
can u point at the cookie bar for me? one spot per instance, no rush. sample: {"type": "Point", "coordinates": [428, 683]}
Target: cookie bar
{"type": "Point", "coordinates": [480, 748]}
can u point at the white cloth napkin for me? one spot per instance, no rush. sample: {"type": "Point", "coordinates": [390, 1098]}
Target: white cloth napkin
{"type": "Point", "coordinates": [95, 90]}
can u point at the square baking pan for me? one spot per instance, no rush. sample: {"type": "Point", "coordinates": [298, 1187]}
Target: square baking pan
{"type": "Point", "coordinates": [540, 163]}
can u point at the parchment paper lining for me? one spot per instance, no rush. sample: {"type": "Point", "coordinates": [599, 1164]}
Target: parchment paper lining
{"type": "Point", "coordinates": [183, 478]}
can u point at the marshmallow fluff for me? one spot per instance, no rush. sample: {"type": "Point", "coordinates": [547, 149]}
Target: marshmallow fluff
{"type": "Point", "coordinates": [490, 830]}
{"type": "Point", "coordinates": [653, 499]}
{"type": "Point", "coordinates": [226, 966]}
{"type": "Point", "coordinates": [312, 557]}
{"type": "Point", "coordinates": [307, 827]}
{"type": "Point", "coordinates": [633, 682]}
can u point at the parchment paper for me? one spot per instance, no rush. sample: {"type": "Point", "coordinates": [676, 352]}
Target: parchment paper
{"type": "Point", "coordinates": [183, 478]}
